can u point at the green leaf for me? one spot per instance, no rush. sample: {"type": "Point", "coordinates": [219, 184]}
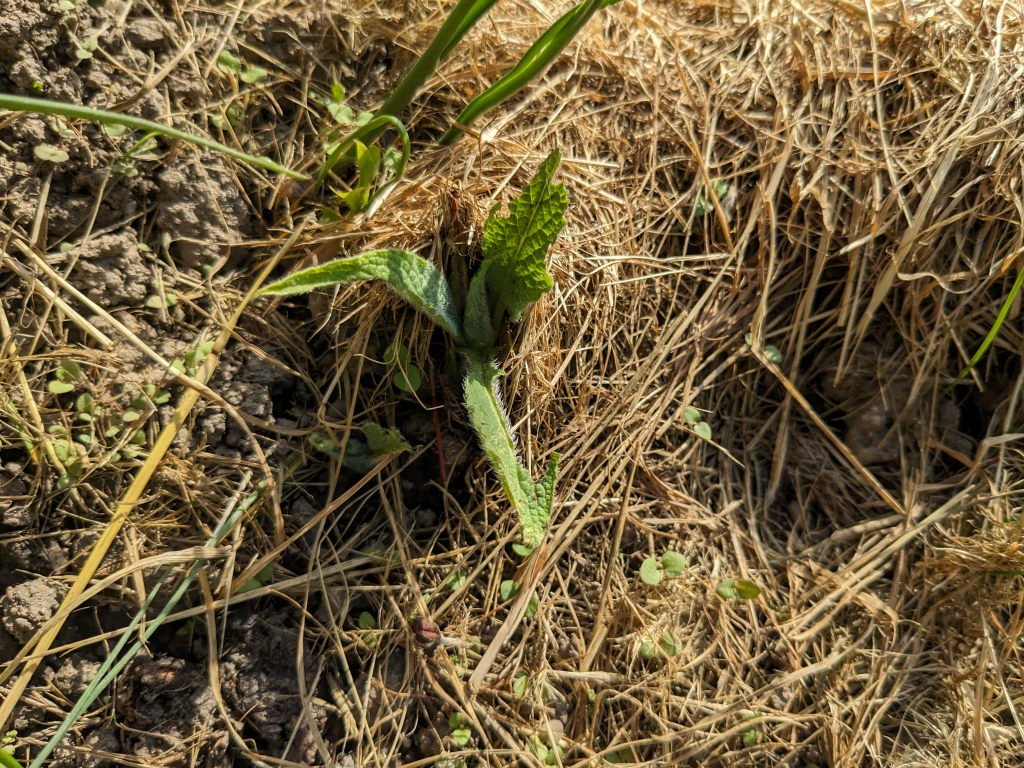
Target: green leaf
{"type": "Point", "coordinates": [650, 572]}
{"type": "Point", "coordinates": [414, 278]}
{"type": "Point", "coordinates": [531, 500]}
{"type": "Point", "coordinates": [50, 154]}
{"type": "Point", "coordinates": [507, 589]}
{"type": "Point", "coordinates": [408, 379]}
{"type": "Point", "coordinates": [703, 430]}
{"type": "Point", "coordinates": [515, 246]}
{"type": "Point", "coordinates": [673, 564]}
{"type": "Point", "coordinates": [476, 321]}
{"type": "Point", "coordinates": [457, 581]}
{"type": "Point", "coordinates": [747, 590]}
{"type": "Point", "coordinates": [648, 650]}
{"type": "Point", "coordinates": [532, 606]}
{"type": "Point", "coordinates": [368, 160]}
{"type": "Point", "coordinates": [58, 387]}
{"type": "Point", "coordinates": [726, 589]}
{"type": "Point", "coordinates": [691, 415]}
{"type": "Point", "coordinates": [367, 620]}
{"type": "Point", "coordinates": [669, 643]}
{"type": "Point", "coordinates": [383, 442]}
{"type": "Point", "coordinates": [228, 62]}
{"type": "Point", "coordinates": [520, 686]}
{"type": "Point", "coordinates": [521, 550]}
{"type": "Point", "coordinates": [252, 75]}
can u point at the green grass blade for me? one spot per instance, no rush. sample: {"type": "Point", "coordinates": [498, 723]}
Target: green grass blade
{"type": "Point", "coordinates": [366, 134]}
{"type": "Point", "coordinates": [414, 278]}
{"type": "Point", "coordinates": [118, 658]}
{"type": "Point", "coordinates": [531, 500]}
{"type": "Point", "coordinates": [102, 116]}
{"type": "Point", "coordinates": [537, 58]}
{"type": "Point", "coordinates": [1004, 312]}
{"type": "Point", "coordinates": [7, 760]}
{"type": "Point", "coordinates": [460, 20]}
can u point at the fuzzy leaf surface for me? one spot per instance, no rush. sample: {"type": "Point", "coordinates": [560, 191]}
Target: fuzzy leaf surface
{"type": "Point", "coordinates": [515, 246]}
{"type": "Point", "coordinates": [414, 279]}
{"type": "Point", "coordinates": [531, 500]}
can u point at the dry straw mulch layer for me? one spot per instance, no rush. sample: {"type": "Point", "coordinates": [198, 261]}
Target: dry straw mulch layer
{"type": "Point", "coordinates": [790, 226]}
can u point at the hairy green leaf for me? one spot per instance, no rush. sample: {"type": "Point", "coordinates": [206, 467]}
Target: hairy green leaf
{"type": "Point", "coordinates": [531, 500]}
{"type": "Point", "coordinates": [476, 321]}
{"type": "Point", "coordinates": [515, 246]}
{"type": "Point", "coordinates": [414, 278]}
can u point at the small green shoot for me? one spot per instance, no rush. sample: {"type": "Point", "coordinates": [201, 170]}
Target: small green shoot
{"type": "Point", "coordinates": [406, 377]}
{"type": "Point", "coordinates": [512, 276]}
{"type": "Point", "coordinates": [362, 455]}
{"type": "Point", "coordinates": [458, 726]}
{"type": "Point", "coordinates": [229, 63]}
{"type": "Point", "coordinates": [509, 589]}
{"type": "Point", "coordinates": [993, 332]}
{"type": "Point", "coordinates": [650, 572]}
{"type": "Point", "coordinates": [65, 378]}
{"type": "Point", "coordinates": [653, 571]}
{"type": "Point", "coordinates": [667, 645]}
{"type": "Point", "coordinates": [773, 353]}
{"type": "Point", "coordinates": [104, 117]}
{"type": "Point", "coordinates": [262, 578]}
{"type": "Point", "coordinates": [86, 49]}
{"type": "Point", "coordinates": [694, 420]}
{"type": "Point", "coordinates": [49, 153]}
{"type": "Point", "coordinates": [703, 204]}
{"type": "Point", "coordinates": [731, 589]}
{"type": "Point", "coordinates": [533, 64]}
{"type": "Point", "coordinates": [457, 581]}
{"type": "Point", "coordinates": [520, 686]}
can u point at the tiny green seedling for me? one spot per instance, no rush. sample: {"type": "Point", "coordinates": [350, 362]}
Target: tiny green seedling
{"type": "Point", "coordinates": [367, 621]}
{"type": "Point", "coordinates": [509, 588]}
{"type": "Point", "coordinates": [87, 48]}
{"type": "Point", "coordinates": [512, 276]}
{"type": "Point", "coordinates": [227, 62]}
{"type": "Point", "coordinates": [654, 571]}
{"type": "Point", "coordinates": [50, 153]}
{"type": "Point", "coordinates": [377, 443]}
{"type": "Point", "coordinates": [694, 420]}
{"type": "Point", "coordinates": [731, 589]}
{"type": "Point", "coordinates": [406, 377]}
{"type": "Point", "coordinates": [65, 378]}
{"type": "Point", "coordinates": [457, 581]}
{"type": "Point", "coordinates": [458, 726]}
{"type": "Point", "coordinates": [773, 353]}
{"type": "Point", "coordinates": [703, 204]}
{"type": "Point", "coordinates": [666, 645]}
{"type": "Point", "coordinates": [521, 686]}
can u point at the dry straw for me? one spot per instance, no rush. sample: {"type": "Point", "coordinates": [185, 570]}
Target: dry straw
{"type": "Point", "coordinates": [799, 219]}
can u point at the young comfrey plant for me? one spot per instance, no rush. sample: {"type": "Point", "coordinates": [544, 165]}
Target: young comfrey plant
{"type": "Point", "coordinates": [512, 276]}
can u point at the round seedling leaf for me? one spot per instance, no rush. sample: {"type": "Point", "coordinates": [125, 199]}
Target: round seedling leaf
{"type": "Point", "coordinates": [703, 430]}
{"type": "Point", "coordinates": [522, 550]}
{"type": "Point", "coordinates": [367, 620]}
{"type": "Point", "coordinates": [726, 589]}
{"type": "Point", "coordinates": [673, 564]}
{"type": "Point", "coordinates": [648, 649]}
{"type": "Point", "coordinates": [408, 379]}
{"type": "Point", "coordinates": [650, 572]}
{"type": "Point", "coordinates": [253, 75]}
{"type": "Point", "coordinates": [520, 686]}
{"type": "Point", "coordinates": [747, 590]}
{"type": "Point", "coordinates": [691, 415]}
{"type": "Point", "coordinates": [507, 589]}
{"type": "Point", "coordinates": [58, 387]}
{"type": "Point", "coordinates": [48, 153]}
